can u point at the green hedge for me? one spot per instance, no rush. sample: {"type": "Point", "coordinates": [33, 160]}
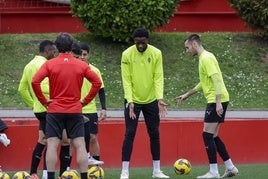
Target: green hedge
{"type": "Point", "coordinates": [254, 12]}
{"type": "Point", "coordinates": [117, 19]}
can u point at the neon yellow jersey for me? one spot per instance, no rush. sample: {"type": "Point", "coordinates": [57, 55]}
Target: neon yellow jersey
{"type": "Point", "coordinates": [208, 65]}
{"type": "Point", "coordinates": [142, 74]}
{"type": "Point", "coordinates": [25, 86]}
{"type": "Point", "coordinates": [90, 107]}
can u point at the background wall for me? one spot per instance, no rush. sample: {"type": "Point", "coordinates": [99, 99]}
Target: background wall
{"type": "Point", "coordinates": [31, 16]}
{"type": "Point", "coordinates": [179, 139]}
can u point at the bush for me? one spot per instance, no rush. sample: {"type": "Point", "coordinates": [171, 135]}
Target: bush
{"type": "Point", "coordinates": [117, 19]}
{"type": "Point", "coordinates": [254, 12]}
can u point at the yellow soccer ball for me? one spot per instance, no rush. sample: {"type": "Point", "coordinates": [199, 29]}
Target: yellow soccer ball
{"type": "Point", "coordinates": [4, 175]}
{"type": "Point", "coordinates": [95, 172]}
{"type": "Point", "coordinates": [70, 174]}
{"type": "Point", "coordinates": [182, 166]}
{"type": "Point", "coordinates": [21, 175]}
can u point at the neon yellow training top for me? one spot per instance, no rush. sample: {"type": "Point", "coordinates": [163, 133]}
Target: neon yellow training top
{"type": "Point", "coordinates": [208, 66]}
{"type": "Point", "coordinates": [142, 74]}
{"type": "Point", "coordinates": [25, 86]}
{"type": "Point", "coordinates": [90, 107]}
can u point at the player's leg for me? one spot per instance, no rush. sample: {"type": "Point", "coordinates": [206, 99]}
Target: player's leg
{"type": "Point", "coordinates": [231, 170]}
{"type": "Point", "coordinates": [40, 145]}
{"type": "Point", "coordinates": [75, 130]}
{"type": "Point", "coordinates": [152, 121]}
{"type": "Point", "coordinates": [92, 127]}
{"type": "Point", "coordinates": [54, 129]}
{"type": "Point", "coordinates": [211, 124]}
{"type": "Point", "coordinates": [64, 153]}
{"type": "Point", "coordinates": [130, 132]}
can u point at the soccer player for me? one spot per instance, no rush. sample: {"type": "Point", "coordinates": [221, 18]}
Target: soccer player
{"type": "Point", "coordinates": [216, 94]}
{"type": "Point", "coordinates": [3, 137]}
{"type": "Point", "coordinates": [64, 106]}
{"type": "Point", "coordinates": [143, 83]}
{"type": "Point", "coordinates": [81, 51]}
{"type": "Point", "coordinates": [47, 50]}
{"type": "Point", "coordinates": [90, 111]}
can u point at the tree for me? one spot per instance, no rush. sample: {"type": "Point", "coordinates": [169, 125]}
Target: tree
{"type": "Point", "coordinates": [117, 19]}
{"type": "Point", "coordinates": [254, 12]}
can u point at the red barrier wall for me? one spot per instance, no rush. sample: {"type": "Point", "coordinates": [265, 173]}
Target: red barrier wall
{"type": "Point", "coordinates": [16, 16]}
{"type": "Point", "coordinates": [245, 139]}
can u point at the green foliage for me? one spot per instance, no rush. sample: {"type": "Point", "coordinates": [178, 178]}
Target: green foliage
{"type": "Point", "coordinates": [254, 12]}
{"type": "Point", "coordinates": [239, 56]}
{"type": "Point", "coordinates": [117, 19]}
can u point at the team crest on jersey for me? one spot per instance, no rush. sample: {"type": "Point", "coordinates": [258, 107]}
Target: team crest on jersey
{"type": "Point", "coordinates": [149, 60]}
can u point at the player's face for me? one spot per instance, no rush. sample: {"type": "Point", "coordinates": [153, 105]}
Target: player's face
{"type": "Point", "coordinates": [141, 43]}
{"type": "Point", "coordinates": [84, 56]}
{"type": "Point", "coordinates": [51, 51]}
{"type": "Point", "coordinates": [190, 47]}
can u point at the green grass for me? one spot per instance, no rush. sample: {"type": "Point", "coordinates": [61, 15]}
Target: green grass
{"type": "Point", "coordinates": [256, 171]}
{"type": "Point", "coordinates": [239, 56]}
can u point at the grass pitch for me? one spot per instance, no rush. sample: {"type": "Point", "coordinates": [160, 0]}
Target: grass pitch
{"type": "Point", "coordinates": [246, 171]}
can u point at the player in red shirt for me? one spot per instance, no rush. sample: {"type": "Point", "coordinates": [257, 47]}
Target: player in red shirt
{"type": "Point", "coordinates": [64, 108]}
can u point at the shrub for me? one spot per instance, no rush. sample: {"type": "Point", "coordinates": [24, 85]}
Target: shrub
{"type": "Point", "coordinates": [117, 19]}
{"type": "Point", "coordinates": [254, 12]}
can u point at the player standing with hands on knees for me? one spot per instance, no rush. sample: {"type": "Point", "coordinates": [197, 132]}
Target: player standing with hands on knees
{"type": "Point", "coordinates": [216, 94]}
{"type": "Point", "coordinates": [64, 107]}
{"type": "Point", "coordinates": [143, 83]}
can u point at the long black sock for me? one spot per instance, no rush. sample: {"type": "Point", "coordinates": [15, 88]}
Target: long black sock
{"type": "Point", "coordinates": [50, 175]}
{"type": "Point", "coordinates": [45, 160]}
{"type": "Point", "coordinates": [36, 157]}
{"type": "Point", "coordinates": [221, 148]}
{"type": "Point", "coordinates": [64, 158]}
{"type": "Point", "coordinates": [87, 136]}
{"type": "Point", "coordinates": [83, 175]}
{"type": "Point", "coordinates": [210, 147]}
{"type": "Point", "coordinates": [96, 157]}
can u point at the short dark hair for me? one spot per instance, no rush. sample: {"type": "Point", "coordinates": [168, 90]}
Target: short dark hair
{"type": "Point", "coordinates": [44, 44]}
{"type": "Point", "coordinates": [193, 37]}
{"type": "Point", "coordinates": [76, 49]}
{"type": "Point", "coordinates": [64, 42]}
{"type": "Point", "coordinates": [85, 47]}
{"type": "Point", "coordinates": [141, 32]}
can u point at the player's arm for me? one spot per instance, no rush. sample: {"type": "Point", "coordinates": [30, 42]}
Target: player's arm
{"type": "Point", "coordinates": [126, 79]}
{"type": "Point", "coordinates": [103, 104]}
{"type": "Point", "coordinates": [93, 78]}
{"type": "Point", "coordinates": [25, 92]}
{"type": "Point", "coordinates": [36, 85]}
{"type": "Point", "coordinates": [183, 97]}
{"type": "Point", "coordinates": [216, 79]}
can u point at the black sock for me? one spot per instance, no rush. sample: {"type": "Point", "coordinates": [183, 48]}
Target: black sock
{"type": "Point", "coordinates": [50, 175]}
{"type": "Point", "coordinates": [210, 147]}
{"type": "Point", "coordinates": [87, 136]}
{"type": "Point", "coordinates": [64, 158]}
{"type": "Point", "coordinates": [96, 157]}
{"type": "Point", "coordinates": [70, 161]}
{"type": "Point", "coordinates": [221, 148]}
{"type": "Point", "coordinates": [36, 157]}
{"type": "Point", "coordinates": [83, 175]}
{"type": "Point", "coordinates": [45, 160]}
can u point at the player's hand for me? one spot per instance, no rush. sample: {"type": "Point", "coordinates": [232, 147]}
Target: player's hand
{"type": "Point", "coordinates": [219, 109]}
{"type": "Point", "coordinates": [162, 108]}
{"type": "Point", "coordinates": [86, 119]}
{"type": "Point", "coordinates": [132, 115]}
{"type": "Point", "coordinates": [47, 102]}
{"type": "Point", "coordinates": [103, 115]}
{"type": "Point", "coordinates": [182, 98]}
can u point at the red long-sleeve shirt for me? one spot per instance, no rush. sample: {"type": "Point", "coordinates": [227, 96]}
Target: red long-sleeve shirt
{"type": "Point", "coordinates": [65, 74]}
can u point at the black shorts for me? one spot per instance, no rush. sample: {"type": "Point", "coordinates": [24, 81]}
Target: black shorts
{"type": "Point", "coordinates": [73, 123]}
{"type": "Point", "coordinates": [211, 114]}
{"type": "Point", "coordinates": [92, 123]}
{"type": "Point", "coordinates": [42, 120]}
